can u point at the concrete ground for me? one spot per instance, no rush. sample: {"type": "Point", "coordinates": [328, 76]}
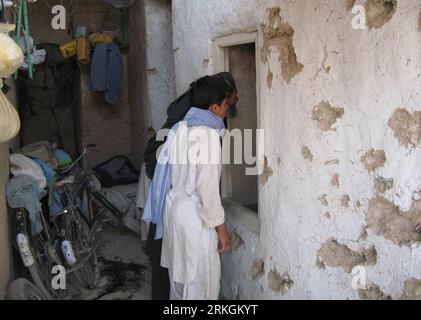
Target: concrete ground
{"type": "Point", "coordinates": [124, 269]}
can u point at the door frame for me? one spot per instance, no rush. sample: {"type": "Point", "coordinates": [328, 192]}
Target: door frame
{"type": "Point", "coordinates": [220, 53]}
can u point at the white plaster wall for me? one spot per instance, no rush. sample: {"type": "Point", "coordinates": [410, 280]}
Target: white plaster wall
{"type": "Point", "coordinates": [372, 74]}
{"type": "Point", "coordinates": [159, 60]}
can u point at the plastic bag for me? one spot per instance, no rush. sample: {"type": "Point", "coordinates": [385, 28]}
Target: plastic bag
{"type": "Point", "coordinates": [11, 55]}
{"type": "Point", "coordinates": [9, 120]}
{"type": "Point", "coordinates": [21, 165]}
{"type": "Point", "coordinates": [11, 58]}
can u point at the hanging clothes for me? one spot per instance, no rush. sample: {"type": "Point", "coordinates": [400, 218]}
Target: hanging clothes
{"type": "Point", "coordinates": [107, 72]}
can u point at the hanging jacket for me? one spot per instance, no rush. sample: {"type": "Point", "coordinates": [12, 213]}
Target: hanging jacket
{"type": "Point", "coordinates": [107, 72]}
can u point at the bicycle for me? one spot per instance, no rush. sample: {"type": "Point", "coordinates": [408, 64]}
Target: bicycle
{"type": "Point", "coordinates": [71, 236]}
{"type": "Point", "coordinates": [86, 189]}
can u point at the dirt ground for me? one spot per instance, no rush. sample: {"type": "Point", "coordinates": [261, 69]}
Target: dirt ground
{"type": "Point", "coordinates": [124, 269]}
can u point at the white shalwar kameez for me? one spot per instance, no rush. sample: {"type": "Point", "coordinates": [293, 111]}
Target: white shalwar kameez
{"type": "Point", "coordinates": [192, 211]}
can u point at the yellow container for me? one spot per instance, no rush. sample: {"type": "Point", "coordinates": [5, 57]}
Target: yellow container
{"type": "Point", "coordinates": [69, 49]}
{"type": "Point", "coordinates": [83, 51]}
{"type": "Point", "coordinates": [97, 38]}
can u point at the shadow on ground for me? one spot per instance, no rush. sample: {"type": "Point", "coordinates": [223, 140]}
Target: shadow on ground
{"type": "Point", "coordinates": [124, 269]}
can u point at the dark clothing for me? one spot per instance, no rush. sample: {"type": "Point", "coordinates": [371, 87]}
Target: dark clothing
{"type": "Point", "coordinates": [178, 109]}
{"type": "Point", "coordinates": [160, 277]}
{"type": "Point", "coordinates": [107, 72]}
{"type": "Point", "coordinates": [176, 112]}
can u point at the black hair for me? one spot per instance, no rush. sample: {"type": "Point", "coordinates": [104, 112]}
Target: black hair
{"type": "Point", "coordinates": [209, 90]}
{"type": "Point", "coordinates": [228, 78]}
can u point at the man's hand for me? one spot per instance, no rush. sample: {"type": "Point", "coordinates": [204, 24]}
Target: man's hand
{"type": "Point", "coordinates": [223, 239]}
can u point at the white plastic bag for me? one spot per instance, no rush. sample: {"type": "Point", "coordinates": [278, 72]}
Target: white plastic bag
{"type": "Point", "coordinates": [11, 58]}
{"type": "Point", "coordinates": [19, 164]}
{"type": "Point", "coordinates": [9, 120]}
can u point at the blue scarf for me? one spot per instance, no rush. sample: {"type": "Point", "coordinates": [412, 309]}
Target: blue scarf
{"type": "Point", "coordinates": [161, 181]}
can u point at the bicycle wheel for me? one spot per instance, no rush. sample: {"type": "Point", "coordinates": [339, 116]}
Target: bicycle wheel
{"type": "Point", "coordinates": [23, 289]}
{"type": "Point", "coordinates": [43, 253]}
{"type": "Point", "coordinates": [77, 232]}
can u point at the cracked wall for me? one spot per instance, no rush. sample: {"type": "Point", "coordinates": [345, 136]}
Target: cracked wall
{"type": "Point", "coordinates": [305, 151]}
{"type": "Point", "coordinates": [412, 290]}
{"type": "Point", "coordinates": [326, 115]}
{"type": "Point", "coordinates": [406, 127]}
{"type": "Point", "coordinates": [257, 269]}
{"type": "Point", "coordinates": [236, 241]}
{"type": "Point", "coordinates": [334, 254]}
{"type": "Point", "coordinates": [279, 283]}
{"type": "Point", "coordinates": [337, 105]}
{"type": "Point", "coordinates": [373, 292]}
{"type": "Point", "coordinates": [350, 4]}
{"type": "Point", "coordinates": [379, 12]}
{"type": "Point", "coordinates": [280, 35]}
{"type": "Point", "coordinates": [386, 220]}
{"type": "Point", "coordinates": [266, 174]}
{"type": "Point", "coordinates": [373, 159]}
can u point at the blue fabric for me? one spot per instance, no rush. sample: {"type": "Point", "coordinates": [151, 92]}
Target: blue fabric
{"type": "Point", "coordinates": [54, 200]}
{"type": "Point", "coordinates": [62, 157]}
{"type": "Point", "coordinates": [161, 182]}
{"type": "Point", "coordinates": [107, 72]}
{"type": "Point", "coordinates": [23, 191]}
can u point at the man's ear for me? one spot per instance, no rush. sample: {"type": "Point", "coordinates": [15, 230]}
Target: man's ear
{"type": "Point", "coordinates": [214, 107]}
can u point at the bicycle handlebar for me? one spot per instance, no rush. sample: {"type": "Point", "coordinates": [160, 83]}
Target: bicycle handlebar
{"type": "Point", "coordinates": [84, 153]}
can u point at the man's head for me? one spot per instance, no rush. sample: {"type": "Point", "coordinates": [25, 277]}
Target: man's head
{"type": "Point", "coordinates": [233, 97]}
{"type": "Point", "coordinates": [216, 93]}
{"type": "Point", "coordinates": [212, 93]}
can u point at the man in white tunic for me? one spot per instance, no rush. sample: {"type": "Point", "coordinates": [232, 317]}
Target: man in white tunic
{"type": "Point", "coordinates": [195, 233]}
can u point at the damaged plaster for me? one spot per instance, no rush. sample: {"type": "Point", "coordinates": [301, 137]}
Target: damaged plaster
{"type": "Point", "coordinates": [381, 185]}
{"type": "Point", "coordinates": [332, 162]}
{"type": "Point", "coordinates": [326, 115]}
{"type": "Point", "coordinates": [323, 200]}
{"type": "Point", "coordinates": [279, 283]}
{"type": "Point", "coordinates": [257, 269]}
{"type": "Point", "coordinates": [374, 159]}
{"type": "Point", "coordinates": [267, 173]}
{"type": "Point", "coordinates": [335, 180]}
{"type": "Point", "coordinates": [345, 201]}
{"type": "Point", "coordinates": [379, 12]}
{"type": "Point", "coordinates": [415, 212]}
{"type": "Point", "coordinates": [373, 292]}
{"type": "Point", "coordinates": [412, 290]}
{"type": "Point", "coordinates": [350, 4]}
{"type": "Point", "coordinates": [236, 241]}
{"type": "Point", "coordinates": [364, 233]}
{"type": "Point", "coordinates": [386, 220]}
{"type": "Point", "coordinates": [334, 254]}
{"type": "Point", "coordinates": [280, 35]}
{"type": "Point", "coordinates": [406, 127]}
{"type": "Point", "coordinates": [305, 151]}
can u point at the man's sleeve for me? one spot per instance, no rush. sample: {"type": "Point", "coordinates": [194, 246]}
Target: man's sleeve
{"type": "Point", "coordinates": [209, 173]}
